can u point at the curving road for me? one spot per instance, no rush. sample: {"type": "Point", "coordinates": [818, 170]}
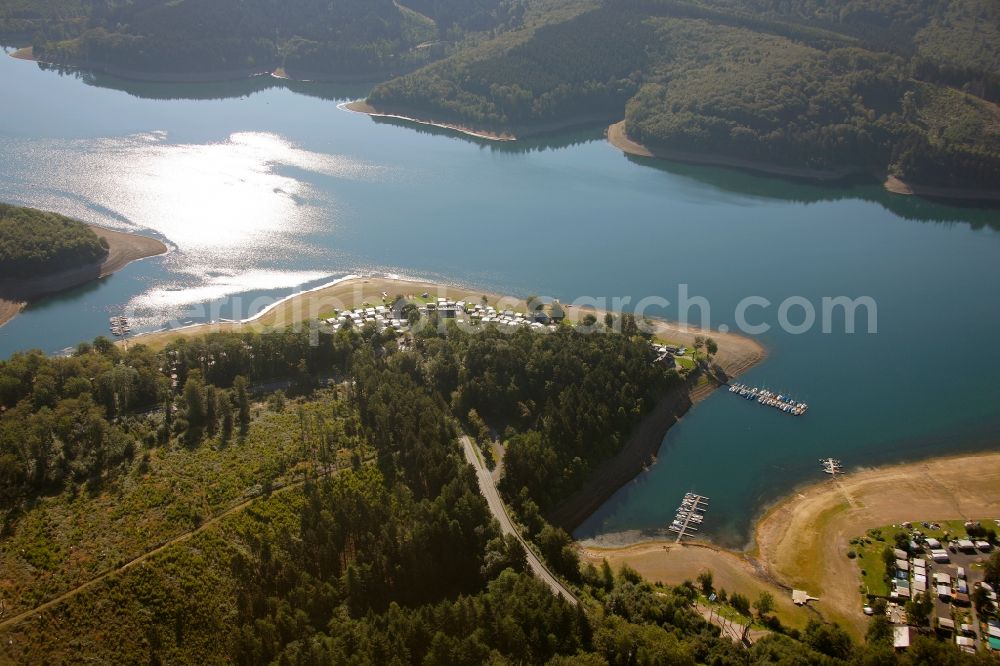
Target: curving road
{"type": "Point", "coordinates": [499, 511]}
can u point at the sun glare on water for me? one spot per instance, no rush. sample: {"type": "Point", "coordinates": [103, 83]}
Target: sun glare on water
{"type": "Point", "coordinates": [237, 211]}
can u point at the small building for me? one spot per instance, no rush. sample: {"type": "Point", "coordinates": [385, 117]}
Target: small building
{"type": "Point", "coordinates": [901, 638]}
{"type": "Point", "coordinates": [944, 592]}
{"type": "Point", "coordinates": [919, 578]}
{"type": "Point", "coordinates": [946, 623]}
{"type": "Point", "coordinates": [900, 554]}
{"type": "Point", "coordinates": [942, 578]}
{"type": "Point", "coordinates": [933, 544]}
{"type": "Point", "coordinates": [940, 556]}
{"type": "Point", "coordinates": [967, 629]}
{"type": "Point", "coordinates": [963, 587]}
{"type": "Point", "coordinates": [914, 547]}
{"type": "Point", "coordinates": [902, 565]}
{"type": "Point", "coordinates": [966, 546]}
{"type": "Point", "coordinates": [960, 572]}
{"type": "Point", "coordinates": [919, 586]}
{"type": "Point", "coordinates": [984, 546]}
{"type": "Point", "coordinates": [919, 562]}
{"type": "Point", "coordinates": [961, 599]}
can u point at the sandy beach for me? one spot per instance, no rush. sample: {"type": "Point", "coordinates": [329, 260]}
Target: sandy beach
{"type": "Point", "coordinates": [672, 563]}
{"type": "Point", "coordinates": [512, 133]}
{"type": "Point", "coordinates": [361, 106]}
{"type": "Point", "coordinates": [123, 248]}
{"type": "Point", "coordinates": [736, 352]}
{"type": "Point", "coordinates": [801, 542]}
{"type": "Point", "coordinates": [898, 186]}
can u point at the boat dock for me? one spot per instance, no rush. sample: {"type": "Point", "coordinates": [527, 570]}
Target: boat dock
{"type": "Point", "coordinates": [119, 326]}
{"type": "Point", "coordinates": [779, 401]}
{"type": "Point", "coordinates": [832, 466]}
{"type": "Point", "coordinates": [689, 515]}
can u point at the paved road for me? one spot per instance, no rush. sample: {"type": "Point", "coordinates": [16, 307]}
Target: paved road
{"type": "Point", "coordinates": [489, 491]}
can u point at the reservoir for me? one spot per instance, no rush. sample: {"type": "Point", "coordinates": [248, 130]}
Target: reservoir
{"type": "Point", "coordinates": [262, 188]}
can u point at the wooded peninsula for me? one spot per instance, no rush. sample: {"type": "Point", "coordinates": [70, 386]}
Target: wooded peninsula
{"type": "Point", "coordinates": [42, 252]}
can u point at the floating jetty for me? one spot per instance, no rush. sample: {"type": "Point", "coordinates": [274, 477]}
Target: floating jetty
{"type": "Point", "coordinates": [119, 326]}
{"type": "Point", "coordinates": [832, 466]}
{"type": "Point", "coordinates": [690, 514]}
{"type": "Point", "coordinates": [779, 401]}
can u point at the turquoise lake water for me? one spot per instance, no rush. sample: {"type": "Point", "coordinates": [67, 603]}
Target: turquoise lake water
{"type": "Point", "coordinates": [261, 189]}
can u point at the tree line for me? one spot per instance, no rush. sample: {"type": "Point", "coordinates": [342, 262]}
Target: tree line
{"type": "Point", "coordinates": [35, 242]}
{"type": "Point", "coordinates": [396, 558]}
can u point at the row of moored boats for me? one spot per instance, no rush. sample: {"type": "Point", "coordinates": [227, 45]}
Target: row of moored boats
{"type": "Point", "coordinates": [690, 514]}
{"type": "Point", "coordinates": [119, 326]}
{"type": "Point", "coordinates": [784, 403]}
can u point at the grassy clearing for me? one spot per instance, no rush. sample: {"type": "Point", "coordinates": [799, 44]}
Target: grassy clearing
{"type": "Point", "coordinates": [872, 565]}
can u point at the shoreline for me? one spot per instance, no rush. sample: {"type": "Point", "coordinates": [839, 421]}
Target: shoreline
{"type": "Point", "coordinates": [617, 137]}
{"type": "Point", "coordinates": [363, 107]}
{"type": "Point", "coordinates": [615, 133]}
{"type": "Point", "coordinates": [514, 133]}
{"type": "Point", "coordinates": [123, 249]}
{"type": "Point", "coordinates": [225, 76]}
{"type": "Point", "coordinates": [737, 354]}
{"type": "Point", "coordinates": [900, 186]}
{"type": "Point", "coordinates": [801, 540]}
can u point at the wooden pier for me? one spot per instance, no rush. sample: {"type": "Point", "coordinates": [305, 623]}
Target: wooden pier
{"type": "Point", "coordinates": [689, 514]}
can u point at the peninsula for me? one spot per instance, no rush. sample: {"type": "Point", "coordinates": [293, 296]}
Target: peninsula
{"type": "Point", "coordinates": [44, 253]}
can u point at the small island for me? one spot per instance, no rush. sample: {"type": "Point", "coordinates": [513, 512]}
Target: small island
{"type": "Point", "coordinates": [43, 253]}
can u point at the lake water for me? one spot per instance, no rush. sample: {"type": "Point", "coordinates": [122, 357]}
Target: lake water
{"type": "Point", "coordinates": [261, 188]}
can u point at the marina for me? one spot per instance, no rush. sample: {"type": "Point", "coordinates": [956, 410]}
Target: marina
{"type": "Point", "coordinates": [781, 402]}
{"type": "Point", "coordinates": [832, 466]}
{"type": "Point", "coordinates": [689, 515]}
{"type": "Point", "coordinates": [120, 327]}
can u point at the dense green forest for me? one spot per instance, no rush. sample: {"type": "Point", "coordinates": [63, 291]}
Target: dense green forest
{"type": "Point", "coordinates": [362, 537]}
{"type": "Point", "coordinates": [35, 242]}
{"type": "Point", "coordinates": [872, 86]}
{"type": "Point", "coordinates": [344, 39]}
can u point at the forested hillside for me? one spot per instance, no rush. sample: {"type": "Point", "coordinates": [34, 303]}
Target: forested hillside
{"type": "Point", "coordinates": [35, 242]}
{"type": "Point", "coordinates": [873, 86]}
{"type": "Point", "coordinates": [334, 521]}
{"type": "Point", "coordinates": [344, 39]}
